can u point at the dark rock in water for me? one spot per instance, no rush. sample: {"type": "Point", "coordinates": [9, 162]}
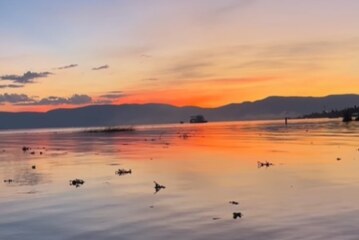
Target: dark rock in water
{"type": "Point", "coordinates": [40, 153]}
{"type": "Point", "coordinates": [216, 218]}
{"type": "Point", "coordinates": [8, 181]}
{"type": "Point", "coordinates": [25, 149]}
{"type": "Point", "coordinates": [237, 215]}
{"type": "Point", "coordinates": [32, 153]}
{"type": "Point", "coordinates": [123, 172]}
{"type": "Point", "coordinates": [158, 186]}
{"type": "Point", "coordinates": [234, 202]}
{"type": "Point", "coordinates": [77, 182]}
{"type": "Point", "coordinates": [338, 159]}
{"type": "Point", "coordinates": [33, 167]}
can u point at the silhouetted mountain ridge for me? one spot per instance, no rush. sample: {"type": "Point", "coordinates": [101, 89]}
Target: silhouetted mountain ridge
{"type": "Point", "coordinates": [274, 107]}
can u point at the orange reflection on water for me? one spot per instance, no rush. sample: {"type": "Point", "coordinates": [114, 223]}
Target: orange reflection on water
{"type": "Point", "coordinates": [203, 168]}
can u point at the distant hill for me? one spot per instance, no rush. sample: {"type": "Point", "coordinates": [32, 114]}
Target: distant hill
{"type": "Point", "coordinates": [128, 114]}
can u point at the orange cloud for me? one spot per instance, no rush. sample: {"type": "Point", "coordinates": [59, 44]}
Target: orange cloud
{"type": "Point", "coordinates": [205, 92]}
{"type": "Point", "coordinates": [174, 97]}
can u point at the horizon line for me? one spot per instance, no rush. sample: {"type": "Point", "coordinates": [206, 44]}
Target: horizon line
{"type": "Point", "coordinates": [64, 107]}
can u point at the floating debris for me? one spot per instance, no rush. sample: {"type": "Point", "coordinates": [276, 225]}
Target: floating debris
{"type": "Point", "coordinates": [32, 153]}
{"type": "Point", "coordinates": [31, 192]}
{"type": "Point", "coordinates": [25, 149]}
{"type": "Point", "coordinates": [264, 164]}
{"type": "Point", "coordinates": [114, 164]}
{"type": "Point", "coordinates": [33, 167]}
{"type": "Point", "coordinates": [8, 181]}
{"type": "Point", "coordinates": [77, 182]}
{"type": "Point", "coordinates": [237, 215]}
{"type": "Point", "coordinates": [158, 186]}
{"type": "Point", "coordinates": [338, 159]}
{"type": "Point", "coordinates": [40, 153]}
{"type": "Point", "coordinates": [215, 218]}
{"type": "Point", "coordinates": [234, 202]}
{"type": "Point", "coordinates": [184, 136]}
{"type": "Point", "coordinates": [123, 172]}
{"type": "Point", "coordinates": [152, 206]}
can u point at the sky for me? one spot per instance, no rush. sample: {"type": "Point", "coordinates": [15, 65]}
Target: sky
{"type": "Point", "coordinates": [207, 53]}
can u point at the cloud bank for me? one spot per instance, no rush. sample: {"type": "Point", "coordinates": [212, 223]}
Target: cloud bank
{"type": "Point", "coordinates": [14, 98]}
{"type": "Point", "coordinates": [26, 78]}
{"type": "Point", "coordinates": [23, 99]}
{"type": "Point", "coordinates": [76, 99]}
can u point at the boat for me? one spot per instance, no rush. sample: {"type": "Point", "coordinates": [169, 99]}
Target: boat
{"type": "Point", "coordinates": [197, 119]}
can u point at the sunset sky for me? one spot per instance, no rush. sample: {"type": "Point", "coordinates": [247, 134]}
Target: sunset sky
{"type": "Point", "coordinates": [193, 52]}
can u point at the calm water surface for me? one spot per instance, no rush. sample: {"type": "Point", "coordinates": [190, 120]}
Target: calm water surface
{"type": "Point", "coordinates": [311, 192]}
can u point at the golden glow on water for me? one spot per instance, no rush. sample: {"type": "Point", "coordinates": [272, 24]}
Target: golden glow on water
{"type": "Point", "coordinates": [215, 164]}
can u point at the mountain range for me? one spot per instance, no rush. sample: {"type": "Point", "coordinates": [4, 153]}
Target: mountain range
{"type": "Point", "coordinates": [274, 107]}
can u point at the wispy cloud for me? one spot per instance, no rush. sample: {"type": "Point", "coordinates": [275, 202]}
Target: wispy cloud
{"type": "Point", "coordinates": [232, 6]}
{"type": "Point", "coordinates": [233, 81]}
{"type": "Point", "coordinates": [260, 64]}
{"type": "Point", "coordinates": [279, 64]}
{"type": "Point", "coordinates": [310, 55]}
{"type": "Point", "coordinates": [100, 67]}
{"type": "Point", "coordinates": [309, 49]}
{"type": "Point", "coordinates": [68, 66]}
{"type": "Point", "coordinates": [190, 69]}
{"type": "Point", "coordinates": [11, 86]}
{"type": "Point", "coordinates": [150, 79]}
{"type": "Point", "coordinates": [115, 92]}
{"type": "Point", "coordinates": [27, 77]}
{"type": "Point", "coordinates": [112, 95]}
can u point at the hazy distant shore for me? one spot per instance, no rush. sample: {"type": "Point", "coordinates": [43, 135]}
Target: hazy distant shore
{"type": "Point", "coordinates": [140, 114]}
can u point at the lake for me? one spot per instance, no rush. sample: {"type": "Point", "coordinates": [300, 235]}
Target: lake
{"type": "Point", "coordinates": [310, 192]}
